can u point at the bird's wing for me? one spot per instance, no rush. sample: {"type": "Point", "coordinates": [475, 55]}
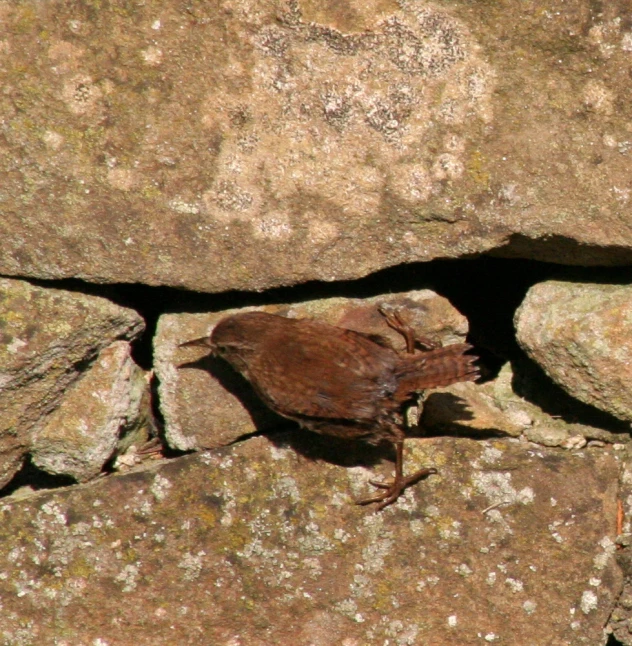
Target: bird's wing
{"type": "Point", "coordinates": [329, 372]}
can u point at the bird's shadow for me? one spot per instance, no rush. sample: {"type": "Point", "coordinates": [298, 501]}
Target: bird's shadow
{"type": "Point", "coordinates": [263, 419]}
{"type": "Point", "coordinates": [332, 449]}
{"type": "Point", "coordinates": [284, 432]}
{"type": "Point", "coordinates": [312, 446]}
{"type": "Point", "coordinates": [455, 410]}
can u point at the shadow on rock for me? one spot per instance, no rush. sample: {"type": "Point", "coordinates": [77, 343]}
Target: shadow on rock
{"type": "Point", "coordinates": [531, 382]}
{"type": "Point", "coordinates": [262, 417]}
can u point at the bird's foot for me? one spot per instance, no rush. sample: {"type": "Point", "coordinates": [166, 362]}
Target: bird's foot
{"type": "Point", "coordinates": [394, 319]}
{"type": "Point", "coordinates": [394, 489]}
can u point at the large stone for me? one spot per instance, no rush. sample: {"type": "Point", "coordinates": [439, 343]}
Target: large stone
{"type": "Point", "coordinates": [252, 544]}
{"type": "Point", "coordinates": [242, 144]}
{"type": "Point", "coordinates": [580, 335]}
{"type": "Point", "coordinates": [206, 404]}
{"type": "Point", "coordinates": [48, 337]}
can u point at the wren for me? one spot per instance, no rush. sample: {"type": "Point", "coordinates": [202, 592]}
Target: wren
{"type": "Point", "coordinates": [337, 381]}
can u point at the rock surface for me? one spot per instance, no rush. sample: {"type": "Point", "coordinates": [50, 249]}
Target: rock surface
{"type": "Point", "coordinates": [620, 623]}
{"type": "Point", "coordinates": [241, 145]}
{"type": "Point", "coordinates": [580, 335]}
{"type": "Point", "coordinates": [252, 544]}
{"type": "Point", "coordinates": [493, 408]}
{"type": "Point", "coordinates": [246, 144]}
{"type": "Point", "coordinates": [206, 404]}
{"type": "Point", "coordinates": [488, 407]}
{"type": "Point", "coordinates": [84, 431]}
{"type": "Point", "coordinates": [47, 335]}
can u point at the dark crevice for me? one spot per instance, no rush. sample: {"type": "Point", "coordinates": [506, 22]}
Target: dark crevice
{"type": "Point", "coordinates": [34, 479]}
{"type": "Point", "coordinates": [613, 641]}
{"type": "Point", "coordinates": [564, 250]}
{"type": "Point", "coordinates": [487, 290]}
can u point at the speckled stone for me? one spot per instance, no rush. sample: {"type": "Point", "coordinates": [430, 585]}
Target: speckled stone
{"type": "Point", "coordinates": [579, 333]}
{"type": "Point", "coordinates": [249, 143]}
{"type": "Point", "coordinates": [254, 544]}
{"type": "Point", "coordinates": [84, 431]}
{"type": "Point", "coordinates": [48, 337]}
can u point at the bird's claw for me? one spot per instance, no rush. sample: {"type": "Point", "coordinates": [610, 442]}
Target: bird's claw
{"type": "Point", "coordinates": [394, 489]}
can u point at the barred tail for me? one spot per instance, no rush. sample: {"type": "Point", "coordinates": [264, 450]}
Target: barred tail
{"type": "Point", "coordinates": [434, 369]}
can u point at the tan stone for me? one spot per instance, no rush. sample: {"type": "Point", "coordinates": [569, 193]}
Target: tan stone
{"type": "Point", "coordinates": [253, 544]}
{"type": "Point", "coordinates": [247, 144]}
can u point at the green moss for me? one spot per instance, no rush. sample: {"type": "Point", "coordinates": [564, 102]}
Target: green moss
{"type": "Point", "coordinates": [150, 192]}
{"type": "Point", "coordinates": [207, 516]}
{"type": "Point", "coordinates": [130, 555]}
{"type": "Point", "coordinates": [383, 600]}
{"type": "Point", "coordinates": [80, 568]}
{"type": "Point", "coordinates": [94, 137]}
{"type": "Point", "coordinates": [477, 169]}
{"type": "Point", "coordinates": [25, 21]}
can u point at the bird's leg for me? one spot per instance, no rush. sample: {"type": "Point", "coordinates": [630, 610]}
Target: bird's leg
{"type": "Point", "coordinates": [394, 489]}
{"type": "Point", "coordinates": [394, 320]}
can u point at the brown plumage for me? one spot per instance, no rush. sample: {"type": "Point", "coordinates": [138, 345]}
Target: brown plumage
{"type": "Point", "coordinates": [336, 381]}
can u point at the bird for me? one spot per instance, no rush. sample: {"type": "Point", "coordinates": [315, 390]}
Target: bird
{"type": "Point", "coordinates": [337, 381]}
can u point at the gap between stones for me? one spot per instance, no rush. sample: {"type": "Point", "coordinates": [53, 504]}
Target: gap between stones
{"type": "Point", "coordinates": [487, 290]}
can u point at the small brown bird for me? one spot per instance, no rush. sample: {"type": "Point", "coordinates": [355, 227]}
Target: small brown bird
{"type": "Point", "coordinates": [336, 381]}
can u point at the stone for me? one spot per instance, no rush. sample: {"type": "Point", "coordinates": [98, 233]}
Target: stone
{"type": "Point", "coordinates": [548, 435]}
{"type": "Point", "coordinates": [47, 336]}
{"type": "Point", "coordinates": [620, 621]}
{"type": "Point", "coordinates": [580, 335]}
{"type": "Point", "coordinates": [94, 417]}
{"type": "Point", "coordinates": [206, 404]}
{"type": "Point", "coordinates": [249, 144]}
{"type": "Point", "coordinates": [253, 544]}
{"type": "Point", "coordinates": [491, 406]}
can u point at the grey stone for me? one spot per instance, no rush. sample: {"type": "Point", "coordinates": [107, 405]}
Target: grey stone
{"type": "Point", "coordinates": [553, 435]}
{"type": "Point", "coordinates": [580, 335]}
{"type": "Point", "coordinates": [47, 335]}
{"type": "Point", "coordinates": [86, 429]}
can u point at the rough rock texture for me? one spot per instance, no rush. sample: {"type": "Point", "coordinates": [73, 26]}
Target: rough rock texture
{"type": "Point", "coordinates": [580, 335]}
{"type": "Point", "coordinates": [492, 407]}
{"type": "Point", "coordinates": [488, 407]}
{"type": "Point", "coordinates": [46, 338]}
{"type": "Point", "coordinates": [620, 623]}
{"type": "Point", "coordinates": [243, 144]}
{"type": "Point", "coordinates": [84, 431]}
{"type": "Point", "coordinates": [252, 544]}
{"type": "Point", "coordinates": [206, 404]}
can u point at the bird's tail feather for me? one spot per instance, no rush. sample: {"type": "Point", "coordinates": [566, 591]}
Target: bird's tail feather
{"type": "Point", "coordinates": [434, 369]}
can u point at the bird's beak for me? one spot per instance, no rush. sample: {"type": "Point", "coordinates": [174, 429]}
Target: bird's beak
{"type": "Point", "coordinates": [203, 342]}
